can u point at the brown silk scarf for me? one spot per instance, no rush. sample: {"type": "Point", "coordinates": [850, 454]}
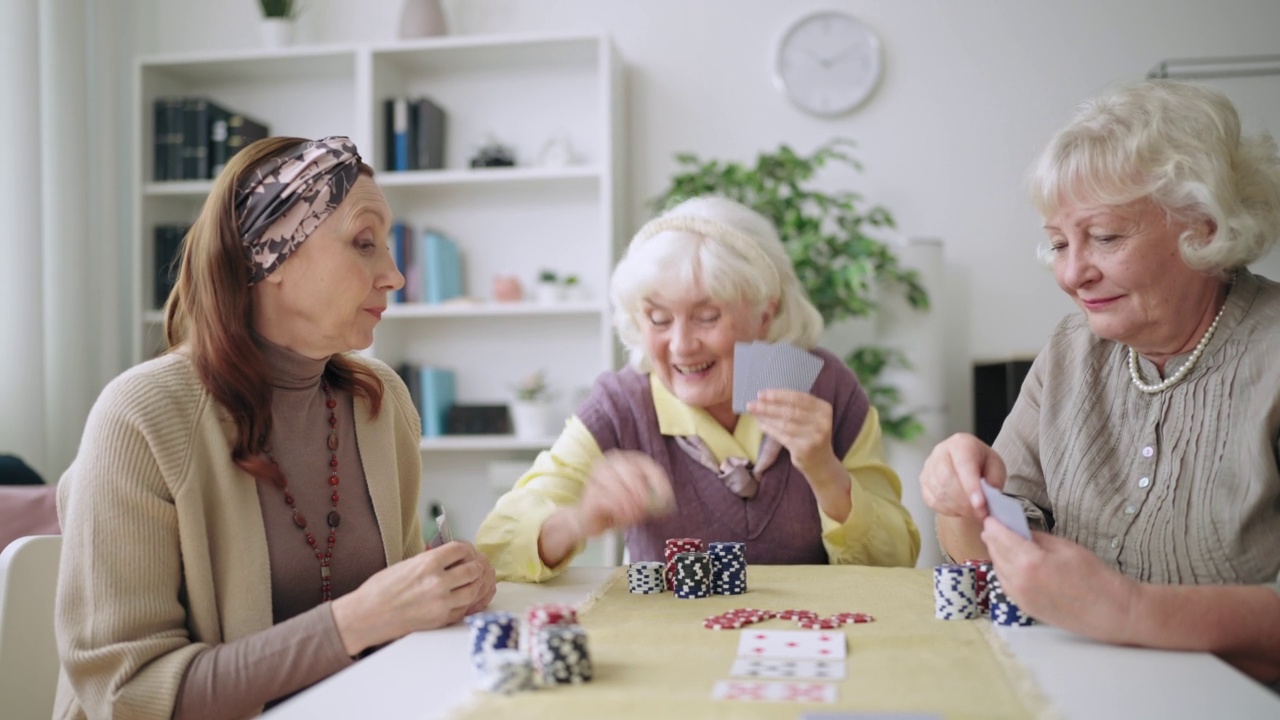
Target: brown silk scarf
{"type": "Point", "coordinates": [737, 473]}
{"type": "Point", "coordinates": [286, 199]}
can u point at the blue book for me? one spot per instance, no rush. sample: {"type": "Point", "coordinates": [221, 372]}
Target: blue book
{"type": "Point", "coordinates": [400, 128]}
{"type": "Point", "coordinates": [436, 387]}
{"type": "Point", "coordinates": [398, 253]}
{"type": "Point", "coordinates": [442, 266]}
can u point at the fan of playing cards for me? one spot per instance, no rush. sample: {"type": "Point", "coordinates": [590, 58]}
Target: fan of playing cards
{"type": "Point", "coordinates": [770, 366]}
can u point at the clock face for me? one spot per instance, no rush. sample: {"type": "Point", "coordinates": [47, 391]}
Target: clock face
{"type": "Point", "coordinates": [828, 63]}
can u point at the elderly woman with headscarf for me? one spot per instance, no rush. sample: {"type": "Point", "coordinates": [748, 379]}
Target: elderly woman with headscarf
{"type": "Point", "coordinates": [1144, 445]}
{"type": "Point", "coordinates": [657, 449]}
{"type": "Point", "coordinates": [241, 519]}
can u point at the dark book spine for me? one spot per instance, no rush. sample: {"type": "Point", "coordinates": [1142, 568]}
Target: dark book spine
{"type": "Point", "coordinates": [190, 137]}
{"type": "Point", "coordinates": [430, 135]}
{"type": "Point", "coordinates": [168, 245]}
{"type": "Point", "coordinates": [217, 139]}
{"type": "Point", "coordinates": [389, 134]}
{"type": "Point", "coordinates": [411, 154]}
{"type": "Point", "coordinates": [173, 157]}
{"type": "Point", "coordinates": [200, 143]}
{"type": "Point", "coordinates": [160, 140]}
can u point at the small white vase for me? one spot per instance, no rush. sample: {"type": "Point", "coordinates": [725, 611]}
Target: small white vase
{"type": "Point", "coordinates": [276, 32]}
{"type": "Point", "coordinates": [422, 18]}
{"type": "Point", "coordinates": [532, 420]}
{"type": "Point", "coordinates": [549, 293]}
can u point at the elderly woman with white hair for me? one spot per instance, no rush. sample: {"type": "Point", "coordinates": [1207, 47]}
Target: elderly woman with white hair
{"type": "Point", "coordinates": [1144, 443]}
{"type": "Point", "coordinates": [657, 449]}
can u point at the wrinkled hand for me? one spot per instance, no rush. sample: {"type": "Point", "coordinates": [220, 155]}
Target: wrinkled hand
{"type": "Point", "coordinates": [949, 479]}
{"type": "Point", "coordinates": [800, 422]}
{"type": "Point", "coordinates": [423, 592]}
{"type": "Point", "coordinates": [625, 489]}
{"type": "Point", "coordinates": [1061, 583]}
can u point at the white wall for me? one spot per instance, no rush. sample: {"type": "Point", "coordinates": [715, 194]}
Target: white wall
{"type": "Point", "coordinates": [971, 91]}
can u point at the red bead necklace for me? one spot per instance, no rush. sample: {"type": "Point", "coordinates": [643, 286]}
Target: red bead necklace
{"type": "Point", "coordinates": [324, 556]}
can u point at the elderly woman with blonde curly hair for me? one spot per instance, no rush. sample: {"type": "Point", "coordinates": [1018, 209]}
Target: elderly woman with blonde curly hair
{"type": "Point", "coordinates": [1144, 443]}
{"type": "Point", "coordinates": [657, 449]}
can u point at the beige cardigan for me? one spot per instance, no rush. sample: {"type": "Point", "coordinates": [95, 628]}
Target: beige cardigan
{"type": "Point", "coordinates": [164, 550]}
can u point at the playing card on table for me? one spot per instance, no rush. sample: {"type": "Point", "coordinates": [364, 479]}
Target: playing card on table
{"type": "Point", "coordinates": [868, 716]}
{"type": "Point", "coordinates": [443, 535]}
{"type": "Point", "coordinates": [1007, 510]}
{"type": "Point", "coordinates": [768, 366]}
{"type": "Point", "coordinates": [791, 644]}
{"type": "Point", "coordinates": [753, 691]}
{"type": "Point", "coordinates": [788, 669]}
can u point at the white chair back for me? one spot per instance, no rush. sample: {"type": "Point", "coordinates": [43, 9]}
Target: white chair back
{"type": "Point", "coordinates": [28, 651]}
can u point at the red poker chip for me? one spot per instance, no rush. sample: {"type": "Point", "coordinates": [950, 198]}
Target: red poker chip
{"type": "Point", "coordinates": [795, 614]}
{"type": "Point", "coordinates": [851, 618]}
{"type": "Point", "coordinates": [720, 622]}
{"type": "Point", "coordinates": [752, 612]}
{"type": "Point", "coordinates": [820, 623]}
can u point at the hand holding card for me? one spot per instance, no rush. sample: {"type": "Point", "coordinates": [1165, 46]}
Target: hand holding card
{"type": "Point", "coordinates": [1007, 510]}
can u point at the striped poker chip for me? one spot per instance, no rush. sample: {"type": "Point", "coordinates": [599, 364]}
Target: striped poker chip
{"type": "Point", "coordinates": [692, 575]}
{"type": "Point", "coordinates": [1008, 614]}
{"type": "Point", "coordinates": [819, 623]}
{"type": "Point", "coordinates": [562, 655]}
{"type": "Point", "coordinates": [646, 578]}
{"type": "Point", "coordinates": [504, 671]}
{"type": "Point", "coordinates": [538, 617]}
{"type": "Point", "coordinates": [675, 546]}
{"type": "Point", "coordinates": [753, 612]}
{"type": "Point", "coordinates": [492, 631]}
{"type": "Point", "coordinates": [728, 568]}
{"type": "Point", "coordinates": [982, 570]}
{"type": "Point", "coordinates": [954, 593]}
{"type": "Point", "coordinates": [853, 618]}
{"type": "Point", "coordinates": [796, 614]}
{"type": "Point", "coordinates": [726, 622]}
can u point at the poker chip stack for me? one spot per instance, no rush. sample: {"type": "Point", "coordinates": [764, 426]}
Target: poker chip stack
{"type": "Point", "coordinates": [1003, 611]}
{"type": "Point", "coordinates": [981, 571]}
{"type": "Point", "coordinates": [504, 671]}
{"type": "Point", "coordinates": [538, 617]}
{"type": "Point", "coordinates": [728, 568]}
{"type": "Point", "coordinates": [675, 546]}
{"type": "Point", "coordinates": [561, 655]}
{"type": "Point", "coordinates": [693, 575]}
{"type": "Point", "coordinates": [955, 596]}
{"type": "Point", "coordinates": [646, 578]}
{"type": "Point", "coordinates": [491, 631]}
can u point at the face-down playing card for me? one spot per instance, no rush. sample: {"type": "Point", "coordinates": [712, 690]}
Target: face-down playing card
{"type": "Point", "coordinates": [768, 366]}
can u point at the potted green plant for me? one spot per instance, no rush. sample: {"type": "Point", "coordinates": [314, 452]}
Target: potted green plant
{"type": "Point", "coordinates": [826, 234]}
{"type": "Point", "coordinates": [532, 413]}
{"type": "Point", "coordinates": [549, 290]}
{"type": "Point", "coordinates": [571, 288]}
{"type": "Point", "coordinates": [277, 21]}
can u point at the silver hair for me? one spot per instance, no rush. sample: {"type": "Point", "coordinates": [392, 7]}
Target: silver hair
{"type": "Point", "coordinates": [1180, 145]}
{"type": "Point", "coordinates": [731, 251]}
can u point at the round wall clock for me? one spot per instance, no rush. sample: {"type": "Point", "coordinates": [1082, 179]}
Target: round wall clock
{"type": "Point", "coordinates": [827, 63]}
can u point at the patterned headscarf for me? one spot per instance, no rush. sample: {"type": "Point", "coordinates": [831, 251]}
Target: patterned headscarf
{"type": "Point", "coordinates": [287, 198]}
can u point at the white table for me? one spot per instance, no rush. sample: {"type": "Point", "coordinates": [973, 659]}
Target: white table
{"type": "Point", "coordinates": [425, 674]}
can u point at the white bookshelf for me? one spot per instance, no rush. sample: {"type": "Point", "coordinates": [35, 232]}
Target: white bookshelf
{"type": "Point", "coordinates": [511, 221]}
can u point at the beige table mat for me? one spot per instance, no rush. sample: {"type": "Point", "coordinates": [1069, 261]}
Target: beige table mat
{"type": "Point", "coordinates": [653, 658]}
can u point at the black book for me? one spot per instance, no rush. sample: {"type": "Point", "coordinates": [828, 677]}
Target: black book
{"type": "Point", "coordinates": [218, 131]}
{"type": "Point", "coordinates": [168, 248]}
{"type": "Point", "coordinates": [428, 134]}
{"type": "Point", "coordinates": [173, 138]}
{"type": "Point", "coordinates": [206, 113]}
{"type": "Point", "coordinates": [389, 134]}
{"type": "Point", "coordinates": [242, 130]}
{"type": "Point", "coordinates": [160, 140]}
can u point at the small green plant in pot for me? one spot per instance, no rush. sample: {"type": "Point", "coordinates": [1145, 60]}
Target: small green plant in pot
{"type": "Point", "coordinates": [826, 236]}
{"type": "Point", "coordinates": [282, 9]}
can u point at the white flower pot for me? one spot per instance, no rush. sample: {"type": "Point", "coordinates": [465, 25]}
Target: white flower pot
{"type": "Point", "coordinates": [532, 420]}
{"type": "Point", "coordinates": [276, 32]}
{"type": "Point", "coordinates": [550, 293]}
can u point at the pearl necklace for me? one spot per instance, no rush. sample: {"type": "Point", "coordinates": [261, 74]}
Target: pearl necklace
{"type": "Point", "coordinates": [1175, 378]}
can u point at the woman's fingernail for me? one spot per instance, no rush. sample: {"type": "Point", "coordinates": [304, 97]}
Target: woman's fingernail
{"type": "Point", "coordinates": [976, 499]}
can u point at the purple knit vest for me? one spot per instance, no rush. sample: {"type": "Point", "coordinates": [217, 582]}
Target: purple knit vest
{"type": "Point", "coordinates": [780, 526]}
